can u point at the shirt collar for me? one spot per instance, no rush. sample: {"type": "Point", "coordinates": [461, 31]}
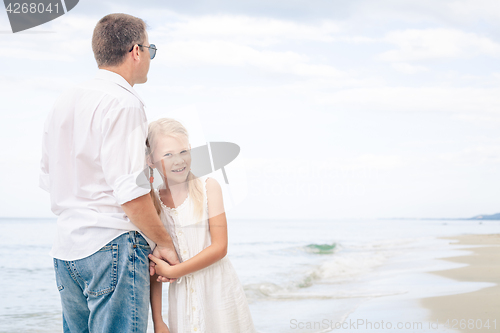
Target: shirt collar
{"type": "Point", "coordinates": [104, 74]}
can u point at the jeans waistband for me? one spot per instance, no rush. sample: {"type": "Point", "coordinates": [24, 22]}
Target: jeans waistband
{"type": "Point", "coordinates": [135, 237]}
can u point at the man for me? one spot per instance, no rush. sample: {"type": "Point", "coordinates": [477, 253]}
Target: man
{"type": "Point", "coordinates": [93, 151]}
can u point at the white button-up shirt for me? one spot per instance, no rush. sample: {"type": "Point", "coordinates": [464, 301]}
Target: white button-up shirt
{"type": "Point", "coordinates": [93, 152]}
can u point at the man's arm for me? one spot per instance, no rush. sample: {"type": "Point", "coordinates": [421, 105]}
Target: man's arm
{"type": "Point", "coordinates": [124, 132]}
{"type": "Point", "coordinates": [142, 214]}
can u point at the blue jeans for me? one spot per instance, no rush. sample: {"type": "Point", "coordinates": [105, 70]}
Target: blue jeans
{"type": "Point", "coordinates": [108, 291]}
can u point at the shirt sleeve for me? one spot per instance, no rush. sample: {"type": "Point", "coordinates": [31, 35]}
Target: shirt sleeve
{"type": "Point", "coordinates": [44, 179]}
{"type": "Point", "coordinates": [124, 132]}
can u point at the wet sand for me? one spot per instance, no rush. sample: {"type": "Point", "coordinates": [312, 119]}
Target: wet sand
{"type": "Point", "coordinates": [471, 312]}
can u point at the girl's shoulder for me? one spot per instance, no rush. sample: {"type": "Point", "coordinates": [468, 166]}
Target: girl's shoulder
{"type": "Point", "coordinates": [212, 185]}
{"type": "Point", "coordinates": [214, 195]}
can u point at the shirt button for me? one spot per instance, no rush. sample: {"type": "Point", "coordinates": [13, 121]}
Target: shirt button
{"type": "Point", "coordinates": [192, 290]}
{"type": "Point", "coordinates": [179, 233]}
{"type": "Point", "coordinates": [195, 329]}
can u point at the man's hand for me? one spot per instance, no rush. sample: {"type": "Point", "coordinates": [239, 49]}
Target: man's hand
{"type": "Point", "coordinates": [166, 254]}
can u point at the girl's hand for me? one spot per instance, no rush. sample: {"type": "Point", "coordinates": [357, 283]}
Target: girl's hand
{"type": "Point", "coordinates": [161, 327]}
{"type": "Point", "coordinates": [162, 267]}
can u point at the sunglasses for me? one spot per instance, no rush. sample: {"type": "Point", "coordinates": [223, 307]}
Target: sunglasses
{"type": "Point", "coordinates": [151, 47]}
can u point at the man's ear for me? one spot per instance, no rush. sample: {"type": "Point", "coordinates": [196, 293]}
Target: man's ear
{"type": "Point", "coordinates": [135, 53]}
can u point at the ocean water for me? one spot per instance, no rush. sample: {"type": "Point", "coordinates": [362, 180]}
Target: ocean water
{"type": "Point", "coordinates": [299, 276]}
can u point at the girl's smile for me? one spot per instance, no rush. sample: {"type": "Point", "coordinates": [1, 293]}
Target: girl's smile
{"type": "Point", "coordinates": [179, 170]}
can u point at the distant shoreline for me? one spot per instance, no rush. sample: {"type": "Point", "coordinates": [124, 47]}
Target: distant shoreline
{"type": "Point", "coordinates": [494, 217]}
{"type": "Point", "coordinates": [439, 219]}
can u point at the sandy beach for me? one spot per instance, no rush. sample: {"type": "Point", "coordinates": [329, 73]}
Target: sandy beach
{"type": "Point", "coordinates": [473, 311]}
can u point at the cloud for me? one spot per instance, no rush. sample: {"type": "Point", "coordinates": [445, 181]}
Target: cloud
{"type": "Point", "coordinates": [407, 68]}
{"type": "Point", "coordinates": [488, 155]}
{"type": "Point", "coordinates": [366, 16]}
{"type": "Point", "coordinates": [247, 30]}
{"type": "Point", "coordinates": [424, 44]}
{"type": "Point", "coordinates": [477, 10]}
{"type": "Point", "coordinates": [416, 99]}
{"type": "Point", "coordinates": [236, 40]}
{"type": "Point", "coordinates": [222, 53]}
{"type": "Point", "coordinates": [65, 39]}
{"type": "Point", "coordinates": [18, 85]}
{"type": "Point", "coordinates": [326, 167]}
{"type": "Point", "coordinates": [491, 120]}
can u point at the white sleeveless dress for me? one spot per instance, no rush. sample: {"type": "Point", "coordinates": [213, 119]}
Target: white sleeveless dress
{"type": "Point", "coordinates": [212, 299]}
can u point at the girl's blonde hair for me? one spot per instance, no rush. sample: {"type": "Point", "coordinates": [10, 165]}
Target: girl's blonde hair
{"type": "Point", "coordinates": [173, 128]}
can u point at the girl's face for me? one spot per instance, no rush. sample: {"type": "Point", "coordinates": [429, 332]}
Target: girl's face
{"type": "Point", "coordinates": [172, 158]}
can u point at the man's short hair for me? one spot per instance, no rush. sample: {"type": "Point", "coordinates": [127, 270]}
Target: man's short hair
{"type": "Point", "coordinates": [114, 36]}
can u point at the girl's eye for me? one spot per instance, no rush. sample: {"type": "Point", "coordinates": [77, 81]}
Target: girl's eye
{"type": "Point", "coordinates": [184, 151]}
{"type": "Point", "coordinates": [167, 155]}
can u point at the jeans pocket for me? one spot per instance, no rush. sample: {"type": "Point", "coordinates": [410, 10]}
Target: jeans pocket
{"type": "Point", "coordinates": [141, 242]}
{"type": "Point", "coordinates": [58, 279]}
{"type": "Point", "coordinates": [104, 267]}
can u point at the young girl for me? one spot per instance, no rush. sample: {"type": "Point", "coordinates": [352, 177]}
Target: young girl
{"type": "Point", "coordinates": [207, 295]}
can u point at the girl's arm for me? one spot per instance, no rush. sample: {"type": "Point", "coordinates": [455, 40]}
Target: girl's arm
{"type": "Point", "coordinates": [155, 293]}
{"type": "Point", "coordinates": [218, 233]}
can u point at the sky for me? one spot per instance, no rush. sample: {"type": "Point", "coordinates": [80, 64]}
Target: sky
{"type": "Point", "coordinates": [342, 109]}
